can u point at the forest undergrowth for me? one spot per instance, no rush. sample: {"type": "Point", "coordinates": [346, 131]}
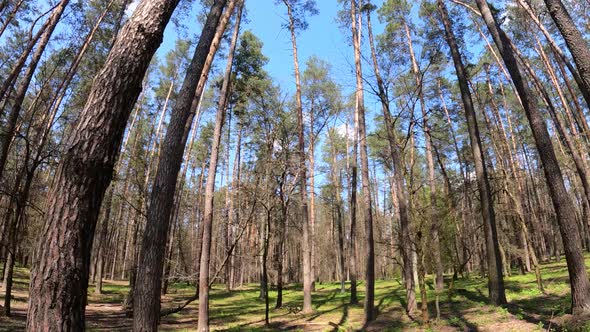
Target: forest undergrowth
{"type": "Point", "coordinates": [463, 308]}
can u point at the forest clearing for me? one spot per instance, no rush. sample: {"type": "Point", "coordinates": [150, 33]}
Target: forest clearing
{"type": "Point", "coordinates": [268, 165]}
{"type": "Point", "coordinates": [466, 308]}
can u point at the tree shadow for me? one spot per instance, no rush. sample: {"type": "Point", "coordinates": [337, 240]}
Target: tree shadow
{"type": "Point", "coordinates": [457, 318]}
{"type": "Point", "coordinates": [330, 296]}
{"type": "Point", "coordinates": [343, 319]}
{"type": "Point", "coordinates": [540, 309]}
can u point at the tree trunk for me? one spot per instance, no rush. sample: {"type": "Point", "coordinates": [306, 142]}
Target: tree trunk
{"type": "Point", "coordinates": [10, 16]}
{"type": "Point", "coordinates": [203, 324]}
{"type": "Point", "coordinates": [149, 283]}
{"type": "Point", "coordinates": [494, 261]}
{"type": "Point", "coordinates": [365, 180]}
{"type": "Point", "coordinates": [307, 277]}
{"type": "Point", "coordinates": [335, 170]}
{"type": "Point", "coordinates": [85, 173]}
{"type": "Point", "coordinates": [564, 207]}
{"type": "Point", "coordinates": [101, 252]}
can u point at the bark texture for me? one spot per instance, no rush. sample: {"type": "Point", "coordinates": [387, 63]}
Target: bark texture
{"type": "Point", "coordinates": [59, 279]}
{"type": "Point", "coordinates": [563, 205]}
{"type": "Point", "coordinates": [151, 260]}
{"type": "Point", "coordinates": [494, 260]}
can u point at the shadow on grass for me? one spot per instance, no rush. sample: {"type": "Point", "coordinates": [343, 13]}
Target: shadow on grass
{"type": "Point", "coordinates": [540, 309]}
{"type": "Point", "coordinates": [457, 317]}
{"type": "Point", "coordinates": [328, 298]}
{"type": "Point", "coordinates": [343, 319]}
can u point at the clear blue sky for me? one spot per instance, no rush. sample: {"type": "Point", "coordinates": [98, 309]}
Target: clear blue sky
{"type": "Point", "coordinates": [323, 38]}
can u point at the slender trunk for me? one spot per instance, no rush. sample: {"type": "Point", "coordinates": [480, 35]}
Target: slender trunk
{"type": "Point", "coordinates": [312, 203]}
{"type": "Point", "coordinates": [101, 252]}
{"type": "Point", "coordinates": [307, 276]}
{"type": "Point", "coordinates": [564, 207]}
{"type": "Point", "coordinates": [10, 16]}
{"type": "Point", "coordinates": [353, 169]}
{"type": "Point", "coordinates": [264, 266]}
{"type": "Point", "coordinates": [365, 180]}
{"type": "Point", "coordinates": [233, 213]}
{"type": "Point", "coordinates": [150, 267]}
{"type": "Point", "coordinates": [335, 170]}
{"type": "Point", "coordinates": [203, 324]}
{"type": "Point", "coordinates": [494, 261]}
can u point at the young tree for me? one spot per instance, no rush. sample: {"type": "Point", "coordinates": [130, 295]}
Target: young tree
{"type": "Point", "coordinates": [296, 11]}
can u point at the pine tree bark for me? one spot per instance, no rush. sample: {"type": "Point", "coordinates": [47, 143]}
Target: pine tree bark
{"type": "Point", "coordinates": [59, 278]}
{"type": "Point", "coordinates": [150, 267]}
{"type": "Point", "coordinates": [564, 207]}
{"type": "Point", "coordinates": [369, 305]}
{"type": "Point", "coordinates": [494, 261]}
{"type": "Point", "coordinates": [306, 238]}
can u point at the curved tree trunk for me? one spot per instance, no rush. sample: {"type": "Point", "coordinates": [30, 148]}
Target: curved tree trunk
{"type": "Point", "coordinates": [494, 261]}
{"type": "Point", "coordinates": [575, 41]}
{"type": "Point", "coordinates": [85, 172]}
{"type": "Point", "coordinates": [203, 324]}
{"type": "Point", "coordinates": [564, 207]}
{"type": "Point", "coordinates": [151, 259]}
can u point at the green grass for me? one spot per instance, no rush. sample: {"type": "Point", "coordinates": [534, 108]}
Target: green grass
{"type": "Point", "coordinates": [464, 308]}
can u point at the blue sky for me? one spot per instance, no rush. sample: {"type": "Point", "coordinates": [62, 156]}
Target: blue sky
{"type": "Point", "coordinates": [323, 38]}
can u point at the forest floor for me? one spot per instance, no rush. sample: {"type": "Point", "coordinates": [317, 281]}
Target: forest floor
{"type": "Point", "coordinates": [464, 309]}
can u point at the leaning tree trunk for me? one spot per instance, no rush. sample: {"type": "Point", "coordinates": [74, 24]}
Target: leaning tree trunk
{"type": "Point", "coordinates": [149, 284]}
{"type": "Point", "coordinates": [494, 261]}
{"type": "Point", "coordinates": [564, 207]}
{"type": "Point", "coordinates": [59, 279]}
{"type": "Point", "coordinates": [576, 43]}
{"type": "Point", "coordinates": [203, 324]}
